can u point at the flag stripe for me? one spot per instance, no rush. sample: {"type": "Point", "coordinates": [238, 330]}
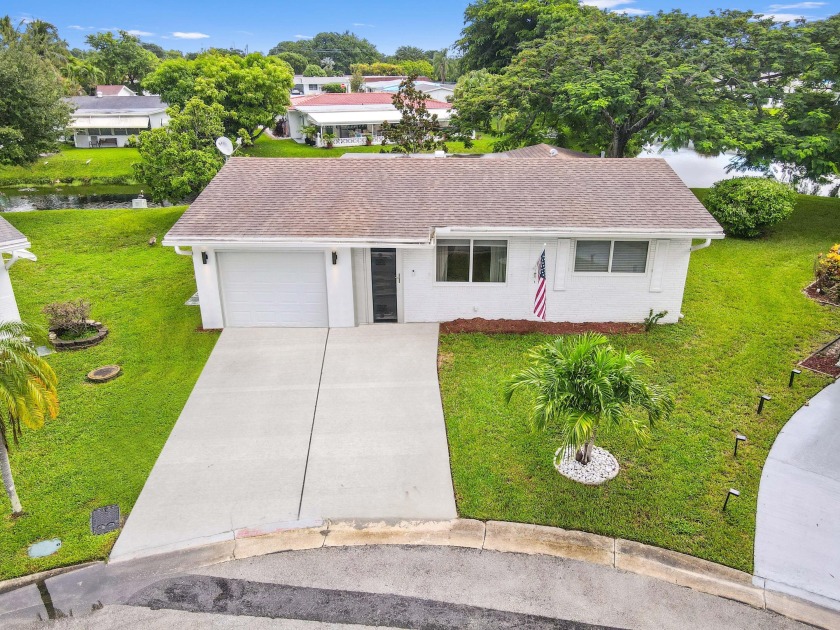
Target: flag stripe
{"type": "Point", "coordinates": [540, 297]}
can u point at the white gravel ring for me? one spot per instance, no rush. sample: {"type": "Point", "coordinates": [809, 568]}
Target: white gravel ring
{"type": "Point", "coordinates": [601, 467]}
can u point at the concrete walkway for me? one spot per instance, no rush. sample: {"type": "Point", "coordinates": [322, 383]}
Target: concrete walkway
{"type": "Point", "coordinates": [290, 426]}
{"type": "Point", "coordinates": [797, 540]}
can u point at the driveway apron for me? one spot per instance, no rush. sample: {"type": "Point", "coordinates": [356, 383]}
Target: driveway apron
{"type": "Point", "coordinates": [797, 540]}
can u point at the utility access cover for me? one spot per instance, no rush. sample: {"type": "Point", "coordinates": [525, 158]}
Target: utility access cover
{"type": "Point", "coordinates": [105, 519]}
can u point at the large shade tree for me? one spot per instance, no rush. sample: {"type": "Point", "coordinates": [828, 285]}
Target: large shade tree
{"type": "Point", "coordinates": [582, 386]}
{"type": "Point", "coordinates": [252, 90]}
{"type": "Point", "coordinates": [28, 394]}
{"type": "Point", "coordinates": [344, 49]}
{"type": "Point", "coordinates": [122, 59]}
{"type": "Point", "coordinates": [615, 83]}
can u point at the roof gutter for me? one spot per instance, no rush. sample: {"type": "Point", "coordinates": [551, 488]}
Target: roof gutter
{"type": "Point", "coordinates": [702, 245]}
{"type": "Point", "coordinates": [238, 243]}
{"type": "Point", "coordinates": [578, 232]}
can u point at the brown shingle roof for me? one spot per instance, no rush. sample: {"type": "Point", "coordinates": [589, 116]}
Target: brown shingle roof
{"type": "Point", "coordinates": [10, 236]}
{"type": "Point", "coordinates": [542, 151]}
{"type": "Point", "coordinates": [281, 198]}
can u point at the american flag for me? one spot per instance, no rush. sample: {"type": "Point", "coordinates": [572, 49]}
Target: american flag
{"type": "Point", "coordinates": [539, 298]}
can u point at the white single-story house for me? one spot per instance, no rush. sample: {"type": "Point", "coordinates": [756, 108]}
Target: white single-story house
{"type": "Point", "coordinates": [304, 86]}
{"type": "Point", "coordinates": [16, 245]}
{"type": "Point", "coordinates": [100, 121]}
{"type": "Point", "coordinates": [436, 91]}
{"type": "Point", "coordinates": [351, 117]}
{"type": "Point", "coordinates": [312, 242]}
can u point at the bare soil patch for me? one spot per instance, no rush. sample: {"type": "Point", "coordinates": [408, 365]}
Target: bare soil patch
{"type": "Point", "coordinates": [525, 326]}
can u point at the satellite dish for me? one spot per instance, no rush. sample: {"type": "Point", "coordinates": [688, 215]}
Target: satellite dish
{"type": "Point", "coordinates": [225, 146]}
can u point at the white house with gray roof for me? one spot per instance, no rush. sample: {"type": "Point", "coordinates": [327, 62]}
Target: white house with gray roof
{"type": "Point", "coordinates": [311, 242]}
{"type": "Point", "coordinates": [109, 121]}
{"type": "Point", "coordinates": [13, 246]}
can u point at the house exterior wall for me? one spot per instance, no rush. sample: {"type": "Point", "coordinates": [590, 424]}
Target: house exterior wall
{"type": "Point", "coordinates": [296, 123]}
{"type": "Point", "coordinates": [81, 137]}
{"type": "Point", "coordinates": [8, 305]}
{"type": "Point", "coordinates": [571, 296]}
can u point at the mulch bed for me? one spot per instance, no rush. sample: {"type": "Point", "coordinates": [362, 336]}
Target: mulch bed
{"type": "Point", "coordinates": [811, 292]}
{"type": "Point", "coordinates": [825, 359]}
{"type": "Point", "coordinates": [525, 326]}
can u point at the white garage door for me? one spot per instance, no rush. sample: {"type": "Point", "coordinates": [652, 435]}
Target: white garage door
{"type": "Point", "coordinates": [274, 289]}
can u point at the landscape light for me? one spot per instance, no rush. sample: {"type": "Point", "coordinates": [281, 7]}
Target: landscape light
{"type": "Point", "coordinates": [738, 438]}
{"type": "Point", "coordinates": [793, 374]}
{"type": "Point", "coordinates": [335, 257]}
{"type": "Point", "coordinates": [204, 258]}
{"type": "Point", "coordinates": [763, 399]}
{"type": "Point", "coordinates": [732, 493]}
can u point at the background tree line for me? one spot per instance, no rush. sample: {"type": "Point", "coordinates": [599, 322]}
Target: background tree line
{"type": "Point", "coordinates": [599, 81]}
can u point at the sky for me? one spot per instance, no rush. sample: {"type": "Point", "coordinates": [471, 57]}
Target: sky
{"type": "Point", "coordinates": [191, 25]}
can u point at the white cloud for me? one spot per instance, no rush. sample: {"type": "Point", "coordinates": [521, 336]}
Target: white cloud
{"type": "Point", "coordinates": [798, 5]}
{"type": "Point", "coordinates": [189, 35]}
{"type": "Point", "coordinates": [303, 36]}
{"type": "Point", "coordinates": [615, 6]}
{"type": "Point", "coordinates": [784, 17]}
{"type": "Point", "coordinates": [137, 33]}
{"type": "Point", "coordinates": [363, 24]}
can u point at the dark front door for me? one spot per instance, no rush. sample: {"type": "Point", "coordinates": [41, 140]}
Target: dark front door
{"type": "Point", "coordinates": [383, 273]}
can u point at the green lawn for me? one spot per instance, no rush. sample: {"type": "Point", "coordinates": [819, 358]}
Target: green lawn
{"type": "Point", "coordinates": [102, 446]}
{"type": "Point", "coordinates": [747, 323]}
{"type": "Point", "coordinates": [107, 166]}
{"type": "Point", "coordinates": [269, 147]}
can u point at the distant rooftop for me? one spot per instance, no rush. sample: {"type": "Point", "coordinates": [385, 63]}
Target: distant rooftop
{"type": "Point", "coordinates": [116, 104]}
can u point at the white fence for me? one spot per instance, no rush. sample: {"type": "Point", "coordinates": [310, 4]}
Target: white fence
{"type": "Point", "coordinates": [350, 142]}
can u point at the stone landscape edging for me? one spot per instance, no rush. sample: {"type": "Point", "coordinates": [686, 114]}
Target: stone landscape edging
{"type": "Point", "coordinates": [662, 564]}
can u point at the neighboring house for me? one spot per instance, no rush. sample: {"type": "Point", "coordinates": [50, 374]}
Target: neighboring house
{"type": "Point", "coordinates": [312, 242]}
{"type": "Point", "coordinates": [351, 117]}
{"type": "Point", "coordinates": [15, 244]}
{"type": "Point", "coordinates": [99, 121]}
{"type": "Point", "coordinates": [437, 91]}
{"type": "Point", "coordinates": [304, 86]}
{"type": "Point", "coordinates": [114, 90]}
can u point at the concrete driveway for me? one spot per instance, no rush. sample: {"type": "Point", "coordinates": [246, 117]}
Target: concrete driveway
{"type": "Point", "coordinates": [797, 537]}
{"type": "Point", "coordinates": [289, 426]}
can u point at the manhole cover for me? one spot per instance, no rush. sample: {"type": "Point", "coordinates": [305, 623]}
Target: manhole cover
{"type": "Point", "coordinates": [44, 548]}
{"type": "Point", "coordinates": [104, 373]}
{"type": "Point", "coordinates": [105, 519]}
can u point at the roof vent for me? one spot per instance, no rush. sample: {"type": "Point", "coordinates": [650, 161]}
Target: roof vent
{"type": "Point", "coordinates": [553, 153]}
{"type": "Point", "coordinates": [440, 154]}
{"type": "Point", "coordinates": [98, 94]}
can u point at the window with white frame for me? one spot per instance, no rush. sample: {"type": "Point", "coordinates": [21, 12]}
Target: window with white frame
{"type": "Point", "coordinates": [471, 260]}
{"type": "Point", "coordinates": [611, 256]}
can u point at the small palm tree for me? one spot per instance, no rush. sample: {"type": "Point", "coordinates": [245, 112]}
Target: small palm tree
{"type": "Point", "coordinates": [582, 384]}
{"type": "Point", "coordinates": [27, 393]}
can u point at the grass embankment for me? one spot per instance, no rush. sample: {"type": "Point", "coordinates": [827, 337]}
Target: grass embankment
{"type": "Point", "coordinates": [70, 166]}
{"type": "Point", "coordinates": [269, 147]}
{"type": "Point", "coordinates": [106, 438]}
{"type": "Point", "coordinates": [746, 325]}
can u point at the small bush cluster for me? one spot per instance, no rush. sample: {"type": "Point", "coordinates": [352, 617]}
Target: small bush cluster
{"type": "Point", "coordinates": [68, 316]}
{"type": "Point", "coordinates": [827, 273]}
{"type": "Point", "coordinates": [747, 206]}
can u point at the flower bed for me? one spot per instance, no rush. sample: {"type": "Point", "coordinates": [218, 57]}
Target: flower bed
{"type": "Point", "coordinates": [525, 326]}
{"type": "Point", "coordinates": [825, 359]}
{"type": "Point", "coordinates": [98, 333]}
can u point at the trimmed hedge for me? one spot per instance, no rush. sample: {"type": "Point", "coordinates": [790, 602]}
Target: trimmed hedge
{"type": "Point", "coordinates": [747, 206]}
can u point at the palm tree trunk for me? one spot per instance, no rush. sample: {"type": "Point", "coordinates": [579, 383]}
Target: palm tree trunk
{"type": "Point", "coordinates": [8, 481]}
{"type": "Point", "coordinates": [584, 454]}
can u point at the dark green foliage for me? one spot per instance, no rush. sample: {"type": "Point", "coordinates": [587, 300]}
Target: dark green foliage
{"type": "Point", "coordinates": [343, 49]}
{"type": "Point", "coordinates": [333, 88]}
{"type": "Point", "coordinates": [747, 206]}
{"type": "Point", "coordinates": [297, 61]}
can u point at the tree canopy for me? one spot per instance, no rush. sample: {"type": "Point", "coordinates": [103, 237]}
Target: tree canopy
{"type": "Point", "coordinates": [344, 49]}
{"type": "Point", "coordinates": [179, 160]}
{"type": "Point", "coordinates": [122, 59]}
{"type": "Point", "coordinates": [33, 115]}
{"type": "Point", "coordinates": [253, 90]}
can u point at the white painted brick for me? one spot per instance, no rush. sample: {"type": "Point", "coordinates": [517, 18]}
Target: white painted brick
{"type": "Point", "coordinates": [584, 299]}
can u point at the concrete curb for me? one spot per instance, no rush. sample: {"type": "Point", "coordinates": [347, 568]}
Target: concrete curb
{"type": "Point", "coordinates": [662, 564]}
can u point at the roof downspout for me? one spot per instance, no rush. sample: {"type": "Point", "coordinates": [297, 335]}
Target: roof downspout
{"type": "Point", "coordinates": [180, 251]}
{"type": "Point", "coordinates": [702, 245]}
{"type": "Point", "coordinates": [17, 255]}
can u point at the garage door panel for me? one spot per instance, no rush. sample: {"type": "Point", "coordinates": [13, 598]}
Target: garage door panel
{"type": "Point", "coordinates": [274, 289]}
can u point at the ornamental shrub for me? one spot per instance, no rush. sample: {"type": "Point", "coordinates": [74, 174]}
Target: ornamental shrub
{"type": "Point", "coordinates": [333, 88]}
{"type": "Point", "coordinates": [747, 206]}
{"type": "Point", "coordinates": [827, 271]}
{"type": "Point", "coordinates": [69, 316]}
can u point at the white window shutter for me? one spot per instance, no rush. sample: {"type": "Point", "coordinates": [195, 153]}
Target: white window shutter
{"type": "Point", "coordinates": [561, 263]}
{"type": "Point", "coordinates": [660, 260]}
